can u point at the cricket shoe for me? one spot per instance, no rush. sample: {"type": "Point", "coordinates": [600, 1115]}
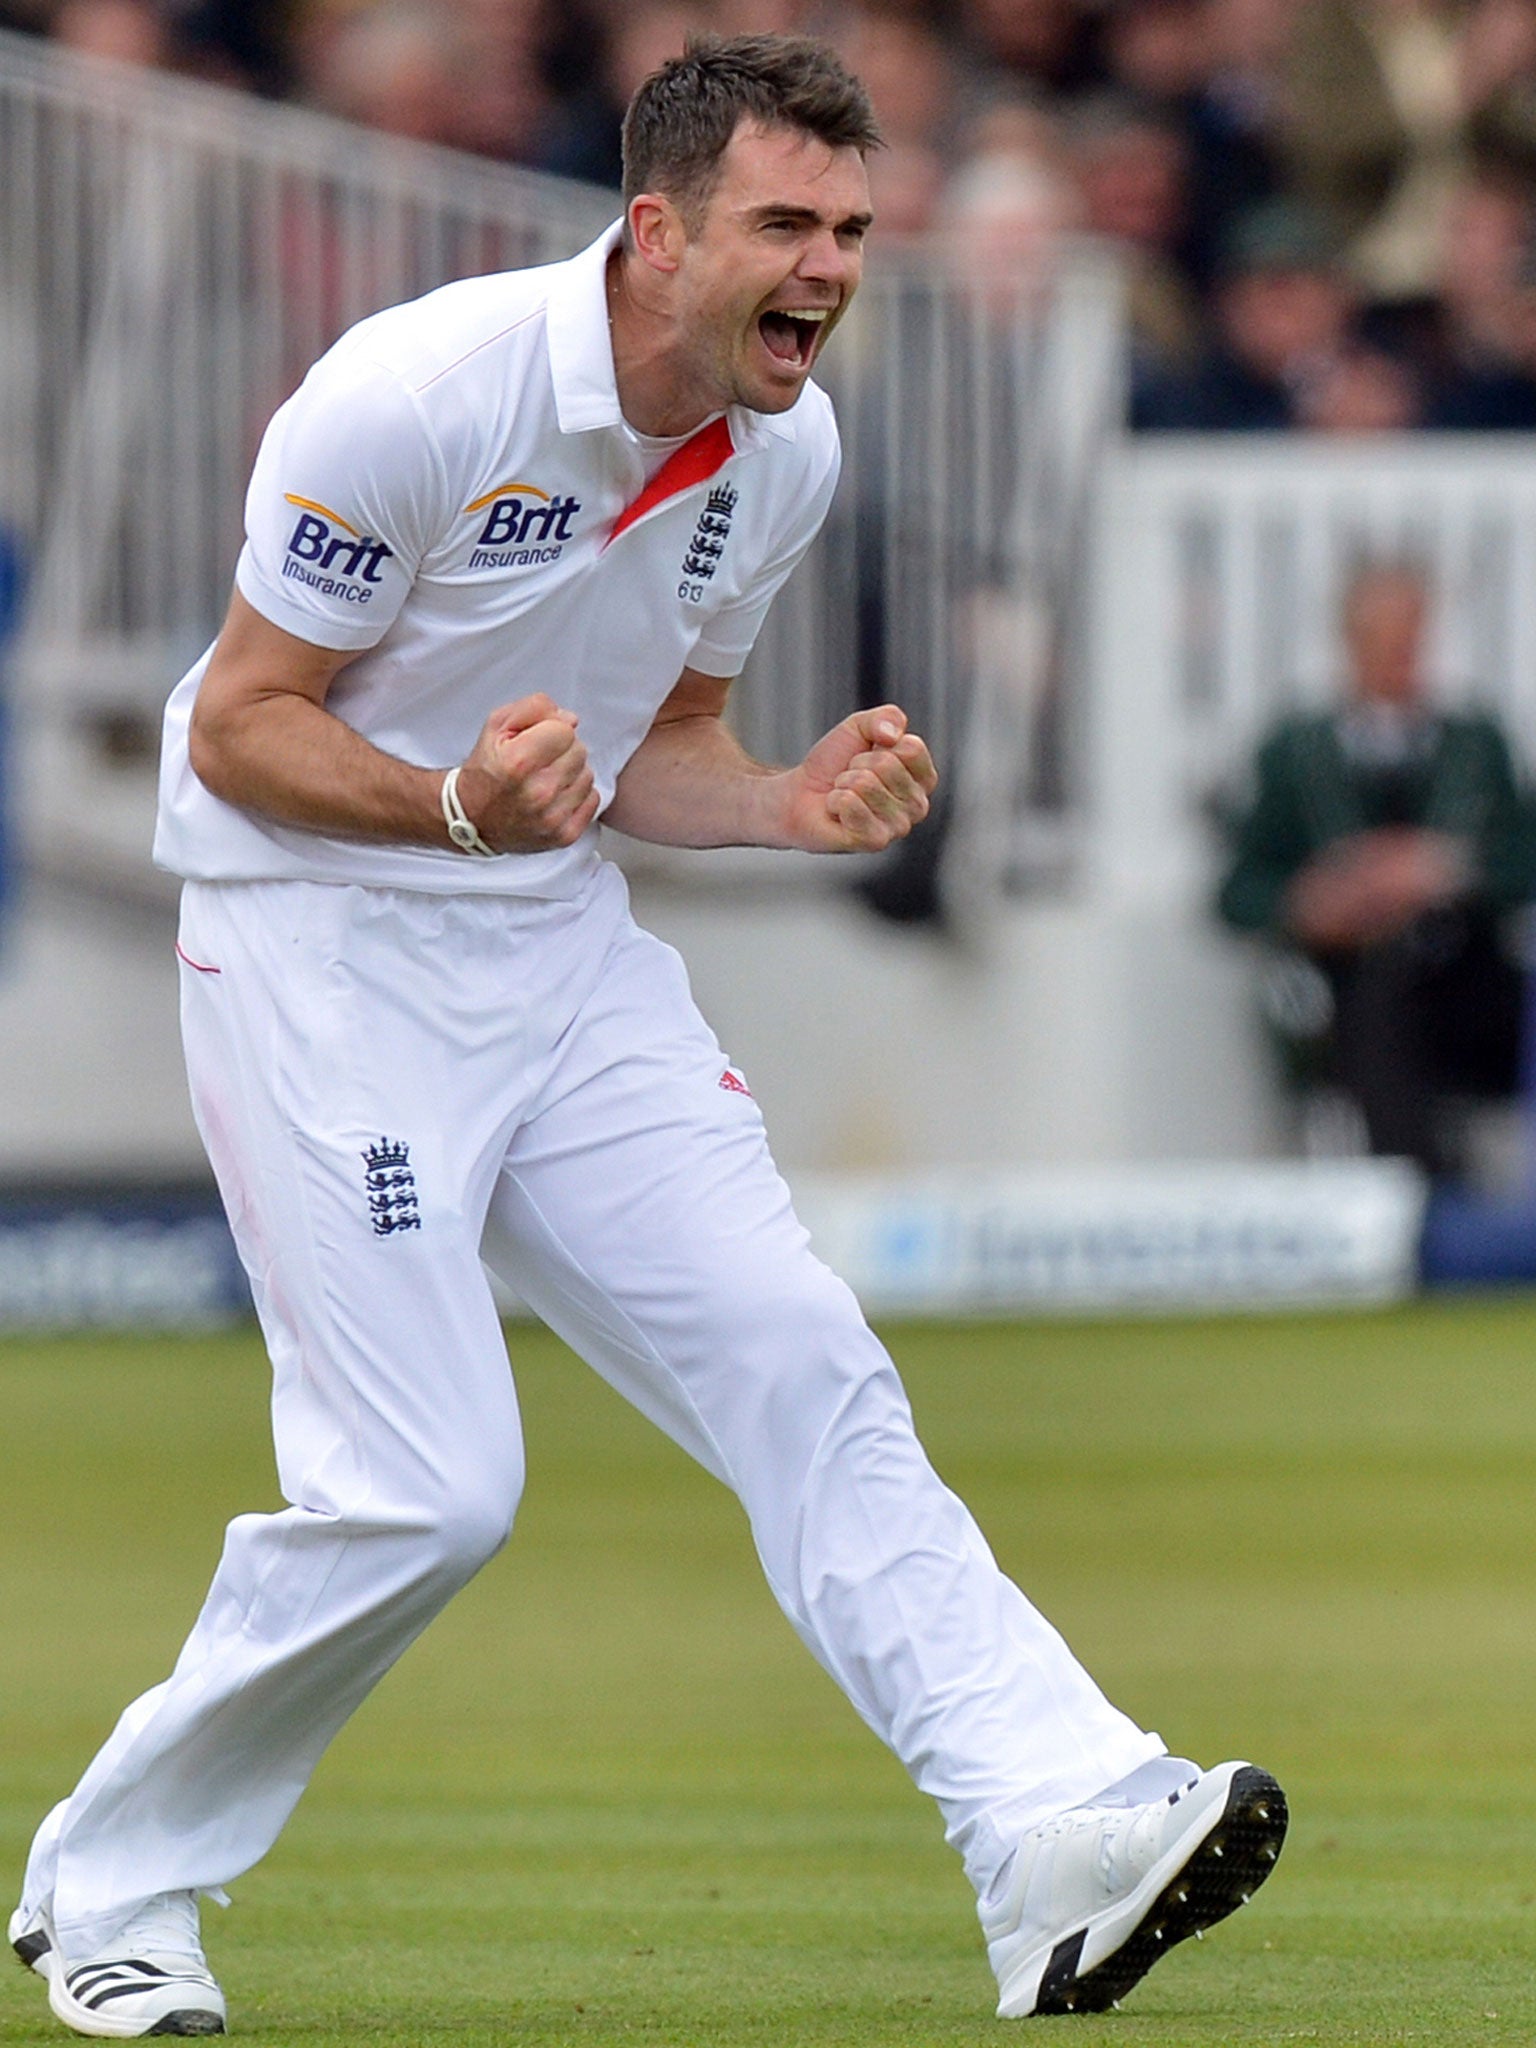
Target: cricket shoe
{"type": "Point", "coordinates": [30, 1939]}
{"type": "Point", "coordinates": [1096, 1896]}
{"type": "Point", "coordinates": [152, 1978]}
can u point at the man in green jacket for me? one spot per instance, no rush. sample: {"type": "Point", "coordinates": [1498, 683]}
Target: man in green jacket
{"type": "Point", "coordinates": [1387, 842]}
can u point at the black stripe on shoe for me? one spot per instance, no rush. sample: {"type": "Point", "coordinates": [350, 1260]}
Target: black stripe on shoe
{"type": "Point", "coordinates": [29, 1947]}
{"type": "Point", "coordinates": [106, 1991]}
{"type": "Point", "coordinates": [1223, 1873]}
{"type": "Point", "coordinates": [93, 1984]}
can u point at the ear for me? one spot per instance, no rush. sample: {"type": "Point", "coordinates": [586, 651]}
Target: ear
{"type": "Point", "coordinates": [656, 231]}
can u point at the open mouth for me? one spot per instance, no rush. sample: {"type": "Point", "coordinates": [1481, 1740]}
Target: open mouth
{"type": "Point", "coordinates": [791, 336]}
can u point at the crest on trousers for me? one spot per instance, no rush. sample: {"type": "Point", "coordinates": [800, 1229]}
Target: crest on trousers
{"type": "Point", "coordinates": [711, 533]}
{"type": "Point", "coordinates": [390, 1184]}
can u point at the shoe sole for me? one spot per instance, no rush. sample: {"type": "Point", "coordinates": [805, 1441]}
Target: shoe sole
{"type": "Point", "coordinates": [1221, 1873]}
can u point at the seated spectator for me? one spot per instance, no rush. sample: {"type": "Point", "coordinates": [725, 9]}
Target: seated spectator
{"type": "Point", "coordinates": [1385, 843]}
{"type": "Point", "coordinates": [1003, 216]}
{"type": "Point", "coordinates": [397, 67]}
{"type": "Point", "coordinates": [515, 56]}
{"type": "Point", "coordinates": [1389, 100]}
{"type": "Point", "coordinates": [582, 139]}
{"type": "Point", "coordinates": [1236, 123]}
{"type": "Point", "coordinates": [906, 187]}
{"type": "Point", "coordinates": [128, 31]}
{"type": "Point", "coordinates": [1288, 351]}
{"type": "Point", "coordinates": [1475, 340]}
{"type": "Point", "coordinates": [908, 71]}
{"type": "Point", "coordinates": [1131, 161]}
{"type": "Point", "coordinates": [1042, 46]}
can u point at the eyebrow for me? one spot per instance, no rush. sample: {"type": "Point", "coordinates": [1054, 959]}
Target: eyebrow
{"type": "Point", "coordinates": [806, 216]}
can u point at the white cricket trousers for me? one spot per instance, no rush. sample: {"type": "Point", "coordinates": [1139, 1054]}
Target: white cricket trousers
{"type": "Point", "coordinates": [391, 1086]}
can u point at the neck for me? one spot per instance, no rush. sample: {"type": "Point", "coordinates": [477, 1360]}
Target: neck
{"type": "Point", "coordinates": [659, 389]}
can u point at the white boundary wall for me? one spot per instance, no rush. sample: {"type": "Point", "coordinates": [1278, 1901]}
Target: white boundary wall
{"type": "Point", "coordinates": [1103, 1019]}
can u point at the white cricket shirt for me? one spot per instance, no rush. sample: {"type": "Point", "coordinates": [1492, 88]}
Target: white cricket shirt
{"type": "Point", "coordinates": [454, 489]}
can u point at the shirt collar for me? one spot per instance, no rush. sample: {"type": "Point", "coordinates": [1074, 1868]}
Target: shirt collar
{"type": "Point", "coordinates": [581, 354]}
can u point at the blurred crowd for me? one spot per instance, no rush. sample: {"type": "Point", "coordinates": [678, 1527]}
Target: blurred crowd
{"type": "Point", "coordinates": [1325, 206]}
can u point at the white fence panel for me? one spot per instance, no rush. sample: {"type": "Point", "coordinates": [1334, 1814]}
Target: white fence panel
{"type": "Point", "coordinates": [1217, 589]}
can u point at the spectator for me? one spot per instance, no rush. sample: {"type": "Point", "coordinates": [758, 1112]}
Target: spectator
{"type": "Point", "coordinates": [1286, 352]}
{"type": "Point", "coordinates": [1476, 338]}
{"type": "Point", "coordinates": [1158, 50]}
{"type": "Point", "coordinates": [1389, 99]}
{"type": "Point", "coordinates": [1004, 214]}
{"type": "Point", "coordinates": [239, 43]}
{"type": "Point", "coordinates": [244, 46]}
{"type": "Point", "coordinates": [909, 71]}
{"type": "Point", "coordinates": [1034, 46]}
{"type": "Point", "coordinates": [513, 51]}
{"type": "Point", "coordinates": [398, 67]}
{"type": "Point", "coordinates": [1215, 67]}
{"type": "Point", "coordinates": [1001, 225]}
{"type": "Point", "coordinates": [1384, 844]}
{"type": "Point", "coordinates": [128, 31]}
{"type": "Point", "coordinates": [1132, 165]}
{"type": "Point", "coordinates": [906, 188]}
{"type": "Point", "coordinates": [583, 139]}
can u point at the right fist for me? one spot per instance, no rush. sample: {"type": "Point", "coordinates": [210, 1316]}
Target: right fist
{"type": "Point", "coordinates": [527, 784]}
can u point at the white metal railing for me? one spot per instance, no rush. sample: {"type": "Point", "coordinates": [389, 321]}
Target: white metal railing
{"type": "Point", "coordinates": [1218, 574]}
{"type": "Point", "coordinates": [976, 407]}
{"type": "Point", "coordinates": [171, 260]}
{"type": "Point", "coordinates": [172, 257]}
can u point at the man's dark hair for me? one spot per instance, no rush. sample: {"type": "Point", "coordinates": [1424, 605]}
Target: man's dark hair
{"type": "Point", "coordinates": [683, 116]}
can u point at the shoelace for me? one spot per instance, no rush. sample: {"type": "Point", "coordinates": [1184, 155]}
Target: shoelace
{"type": "Point", "coordinates": [1127, 1832]}
{"type": "Point", "coordinates": [1118, 1830]}
{"type": "Point", "coordinates": [165, 1926]}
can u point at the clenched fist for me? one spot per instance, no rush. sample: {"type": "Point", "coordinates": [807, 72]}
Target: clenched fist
{"type": "Point", "coordinates": [862, 787]}
{"type": "Point", "coordinates": [527, 785]}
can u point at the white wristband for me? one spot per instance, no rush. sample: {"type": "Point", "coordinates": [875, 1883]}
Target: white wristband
{"type": "Point", "coordinates": [461, 829]}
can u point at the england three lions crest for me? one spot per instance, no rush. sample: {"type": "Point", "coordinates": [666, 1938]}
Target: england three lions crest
{"type": "Point", "coordinates": [708, 544]}
{"type": "Point", "coordinates": [389, 1182]}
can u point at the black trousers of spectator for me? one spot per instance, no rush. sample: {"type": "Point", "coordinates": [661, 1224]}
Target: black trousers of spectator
{"type": "Point", "coordinates": [1434, 1011]}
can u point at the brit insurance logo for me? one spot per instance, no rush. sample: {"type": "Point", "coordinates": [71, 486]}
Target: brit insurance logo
{"type": "Point", "coordinates": [329, 554]}
{"type": "Point", "coordinates": [523, 526]}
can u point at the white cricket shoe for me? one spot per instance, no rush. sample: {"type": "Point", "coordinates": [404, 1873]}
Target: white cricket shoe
{"type": "Point", "coordinates": [1098, 1894]}
{"type": "Point", "coordinates": [151, 1979]}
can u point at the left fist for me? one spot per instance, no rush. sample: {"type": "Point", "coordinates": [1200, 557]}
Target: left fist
{"type": "Point", "coordinates": [865, 785]}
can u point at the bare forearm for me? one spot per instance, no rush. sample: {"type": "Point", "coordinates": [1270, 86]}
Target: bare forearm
{"type": "Point", "coordinates": [295, 762]}
{"type": "Point", "coordinates": [691, 783]}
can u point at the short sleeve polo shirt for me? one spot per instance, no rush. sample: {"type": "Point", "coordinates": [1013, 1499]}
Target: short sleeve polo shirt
{"type": "Point", "coordinates": [454, 490]}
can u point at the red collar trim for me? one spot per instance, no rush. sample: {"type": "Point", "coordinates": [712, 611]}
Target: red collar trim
{"type": "Point", "coordinates": [694, 463]}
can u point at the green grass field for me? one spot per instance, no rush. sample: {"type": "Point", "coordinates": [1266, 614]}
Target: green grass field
{"type": "Point", "coordinates": [608, 1796]}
